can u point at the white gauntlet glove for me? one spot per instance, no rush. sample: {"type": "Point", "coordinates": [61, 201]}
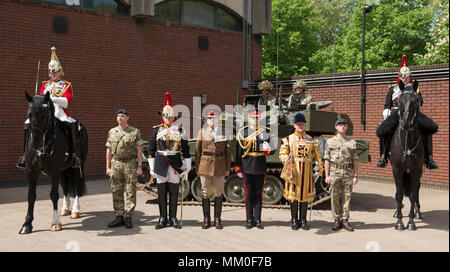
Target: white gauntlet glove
{"type": "Point", "coordinates": [61, 101]}
{"type": "Point", "coordinates": [188, 164]}
{"type": "Point", "coordinates": [151, 164]}
{"type": "Point", "coordinates": [386, 113]}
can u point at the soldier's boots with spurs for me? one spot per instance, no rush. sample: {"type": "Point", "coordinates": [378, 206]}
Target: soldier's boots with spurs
{"type": "Point", "coordinates": [128, 222]}
{"type": "Point", "coordinates": [337, 225]}
{"type": "Point", "coordinates": [430, 163]}
{"type": "Point", "coordinates": [249, 224]}
{"type": "Point", "coordinates": [218, 212]}
{"type": "Point", "coordinates": [294, 215]}
{"type": "Point", "coordinates": [162, 223]}
{"type": "Point", "coordinates": [206, 213]}
{"type": "Point", "coordinates": [118, 222]}
{"type": "Point", "coordinates": [76, 162]}
{"type": "Point", "coordinates": [384, 152]}
{"type": "Point", "coordinates": [173, 222]}
{"type": "Point", "coordinates": [346, 225]}
{"type": "Point", "coordinates": [259, 224]}
{"type": "Point", "coordinates": [382, 162]}
{"type": "Point", "coordinates": [303, 210]}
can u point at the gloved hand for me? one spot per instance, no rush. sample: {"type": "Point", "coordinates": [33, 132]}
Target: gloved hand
{"type": "Point", "coordinates": [151, 164]}
{"type": "Point", "coordinates": [61, 101]}
{"type": "Point", "coordinates": [188, 164]}
{"type": "Point", "coordinates": [239, 175]}
{"type": "Point", "coordinates": [386, 113]}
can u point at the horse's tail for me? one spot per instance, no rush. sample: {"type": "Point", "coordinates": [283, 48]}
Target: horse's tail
{"type": "Point", "coordinates": [406, 184]}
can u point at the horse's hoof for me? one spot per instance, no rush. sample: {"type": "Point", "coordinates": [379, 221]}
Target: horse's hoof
{"type": "Point", "coordinates": [399, 226]}
{"type": "Point", "coordinates": [56, 227]}
{"type": "Point", "coordinates": [26, 229]}
{"type": "Point", "coordinates": [64, 212]}
{"type": "Point", "coordinates": [418, 216]}
{"type": "Point", "coordinates": [412, 226]}
{"type": "Point", "coordinates": [75, 215]}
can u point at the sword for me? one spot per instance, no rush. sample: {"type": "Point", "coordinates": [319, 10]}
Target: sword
{"type": "Point", "coordinates": [37, 76]}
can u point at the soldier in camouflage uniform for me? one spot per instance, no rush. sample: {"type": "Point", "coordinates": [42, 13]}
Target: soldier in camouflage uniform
{"type": "Point", "coordinates": [299, 96]}
{"type": "Point", "coordinates": [266, 89]}
{"type": "Point", "coordinates": [341, 171]}
{"type": "Point", "coordinates": [123, 165]}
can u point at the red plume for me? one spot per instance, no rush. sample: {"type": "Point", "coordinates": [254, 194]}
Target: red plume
{"type": "Point", "coordinates": [167, 99]}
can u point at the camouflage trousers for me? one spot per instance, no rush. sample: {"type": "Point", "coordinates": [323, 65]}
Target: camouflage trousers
{"type": "Point", "coordinates": [123, 181]}
{"type": "Point", "coordinates": [341, 182]}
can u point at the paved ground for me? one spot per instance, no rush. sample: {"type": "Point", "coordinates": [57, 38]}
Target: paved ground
{"type": "Point", "coordinates": [372, 209]}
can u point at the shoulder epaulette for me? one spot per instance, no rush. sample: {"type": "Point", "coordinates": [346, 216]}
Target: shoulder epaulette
{"type": "Point", "coordinates": [157, 126]}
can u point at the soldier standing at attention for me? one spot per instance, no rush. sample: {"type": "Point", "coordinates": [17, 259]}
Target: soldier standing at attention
{"type": "Point", "coordinates": [298, 151]}
{"type": "Point", "coordinates": [252, 147]}
{"type": "Point", "coordinates": [299, 96]}
{"type": "Point", "coordinates": [341, 171]}
{"type": "Point", "coordinates": [123, 165]}
{"type": "Point", "coordinates": [213, 162]}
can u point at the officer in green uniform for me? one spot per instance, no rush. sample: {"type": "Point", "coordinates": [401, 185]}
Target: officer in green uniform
{"type": "Point", "coordinates": [123, 165]}
{"type": "Point", "coordinates": [341, 171]}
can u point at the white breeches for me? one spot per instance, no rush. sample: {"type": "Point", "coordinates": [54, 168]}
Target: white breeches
{"type": "Point", "coordinates": [171, 177]}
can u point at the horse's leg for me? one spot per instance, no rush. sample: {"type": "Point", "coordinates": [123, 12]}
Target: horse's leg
{"type": "Point", "coordinates": [27, 227]}
{"type": "Point", "coordinates": [65, 208]}
{"type": "Point", "coordinates": [413, 199]}
{"type": "Point", "coordinates": [54, 196]}
{"type": "Point", "coordinates": [399, 198]}
{"type": "Point", "coordinates": [418, 214]}
{"type": "Point", "coordinates": [75, 208]}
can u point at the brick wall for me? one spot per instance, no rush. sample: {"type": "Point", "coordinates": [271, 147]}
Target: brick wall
{"type": "Point", "coordinates": [112, 62]}
{"type": "Point", "coordinates": [436, 99]}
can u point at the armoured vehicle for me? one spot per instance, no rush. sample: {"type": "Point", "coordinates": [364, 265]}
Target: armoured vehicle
{"type": "Point", "coordinates": [319, 123]}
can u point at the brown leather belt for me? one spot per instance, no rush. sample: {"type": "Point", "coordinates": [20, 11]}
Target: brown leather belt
{"type": "Point", "coordinates": [216, 154]}
{"type": "Point", "coordinates": [124, 159]}
{"type": "Point", "coordinates": [342, 165]}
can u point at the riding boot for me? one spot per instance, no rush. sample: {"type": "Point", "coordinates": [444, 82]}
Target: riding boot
{"type": "Point", "coordinates": [21, 163]}
{"type": "Point", "coordinates": [76, 162]}
{"type": "Point", "coordinates": [303, 210]}
{"type": "Point", "coordinates": [162, 203]}
{"type": "Point", "coordinates": [173, 202]}
{"type": "Point", "coordinates": [294, 215]}
{"type": "Point", "coordinates": [383, 153]}
{"type": "Point", "coordinates": [218, 212]}
{"type": "Point", "coordinates": [428, 148]}
{"type": "Point", "coordinates": [206, 213]}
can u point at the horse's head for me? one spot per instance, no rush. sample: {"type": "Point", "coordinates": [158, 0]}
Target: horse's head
{"type": "Point", "coordinates": [40, 114]}
{"type": "Point", "coordinates": [408, 105]}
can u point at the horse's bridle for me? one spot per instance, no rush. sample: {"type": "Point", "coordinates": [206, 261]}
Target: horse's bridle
{"type": "Point", "coordinates": [405, 150]}
{"type": "Point", "coordinates": [41, 151]}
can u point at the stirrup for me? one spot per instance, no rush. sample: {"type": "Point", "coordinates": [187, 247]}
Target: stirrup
{"type": "Point", "coordinates": [431, 164]}
{"type": "Point", "coordinates": [382, 163]}
{"type": "Point", "coordinates": [76, 162]}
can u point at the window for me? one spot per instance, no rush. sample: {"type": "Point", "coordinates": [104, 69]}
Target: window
{"type": "Point", "coordinates": [197, 13]}
{"type": "Point", "coordinates": [107, 6]}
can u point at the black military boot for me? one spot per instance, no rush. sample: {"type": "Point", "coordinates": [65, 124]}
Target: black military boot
{"type": "Point", "coordinates": [128, 222]}
{"type": "Point", "coordinates": [21, 163]}
{"type": "Point", "coordinates": [337, 225]}
{"type": "Point", "coordinates": [218, 212]}
{"type": "Point", "coordinates": [173, 202]}
{"type": "Point", "coordinates": [346, 225]}
{"type": "Point", "coordinates": [428, 149]}
{"type": "Point", "coordinates": [294, 215]}
{"type": "Point", "coordinates": [303, 210]}
{"type": "Point", "coordinates": [162, 203]}
{"type": "Point", "coordinates": [118, 222]}
{"type": "Point", "coordinates": [249, 223]}
{"type": "Point", "coordinates": [383, 156]}
{"type": "Point", "coordinates": [206, 213]}
{"type": "Point", "coordinates": [76, 162]}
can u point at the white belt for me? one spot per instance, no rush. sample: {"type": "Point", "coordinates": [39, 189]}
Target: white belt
{"type": "Point", "coordinates": [167, 152]}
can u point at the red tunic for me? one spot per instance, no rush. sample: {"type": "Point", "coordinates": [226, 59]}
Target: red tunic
{"type": "Point", "coordinates": [63, 89]}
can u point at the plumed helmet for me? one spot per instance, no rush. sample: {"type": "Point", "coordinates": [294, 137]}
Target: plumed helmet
{"type": "Point", "coordinates": [168, 107]}
{"type": "Point", "coordinates": [265, 85]}
{"type": "Point", "coordinates": [54, 65]}
{"type": "Point", "coordinates": [299, 84]}
{"type": "Point", "coordinates": [404, 71]}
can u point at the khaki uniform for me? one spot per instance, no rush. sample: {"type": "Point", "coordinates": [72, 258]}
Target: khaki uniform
{"type": "Point", "coordinates": [341, 152]}
{"type": "Point", "coordinates": [298, 152]}
{"type": "Point", "coordinates": [268, 100]}
{"type": "Point", "coordinates": [123, 145]}
{"type": "Point", "coordinates": [213, 159]}
{"type": "Point", "coordinates": [296, 100]}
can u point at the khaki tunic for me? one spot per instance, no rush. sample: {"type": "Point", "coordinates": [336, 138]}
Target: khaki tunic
{"type": "Point", "coordinates": [123, 144]}
{"type": "Point", "coordinates": [341, 152]}
{"type": "Point", "coordinates": [212, 153]}
{"type": "Point", "coordinates": [296, 100]}
{"type": "Point", "coordinates": [298, 152]}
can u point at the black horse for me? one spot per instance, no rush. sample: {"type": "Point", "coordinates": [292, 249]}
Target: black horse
{"type": "Point", "coordinates": [407, 154]}
{"type": "Point", "coordinates": [46, 151]}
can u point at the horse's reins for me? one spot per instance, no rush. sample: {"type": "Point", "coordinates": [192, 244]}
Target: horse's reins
{"type": "Point", "coordinates": [41, 151]}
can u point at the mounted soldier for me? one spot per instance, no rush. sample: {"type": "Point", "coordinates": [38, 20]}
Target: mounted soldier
{"type": "Point", "coordinates": [61, 94]}
{"type": "Point", "coordinates": [386, 129]}
{"type": "Point", "coordinates": [166, 146]}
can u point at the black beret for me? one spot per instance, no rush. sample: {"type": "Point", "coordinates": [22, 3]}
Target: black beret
{"type": "Point", "coordinates": [341, 121]}
{"type": "Point", "coordinates": [299, 117]}
{"type": "Point", "coordinates": [122, 111]}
